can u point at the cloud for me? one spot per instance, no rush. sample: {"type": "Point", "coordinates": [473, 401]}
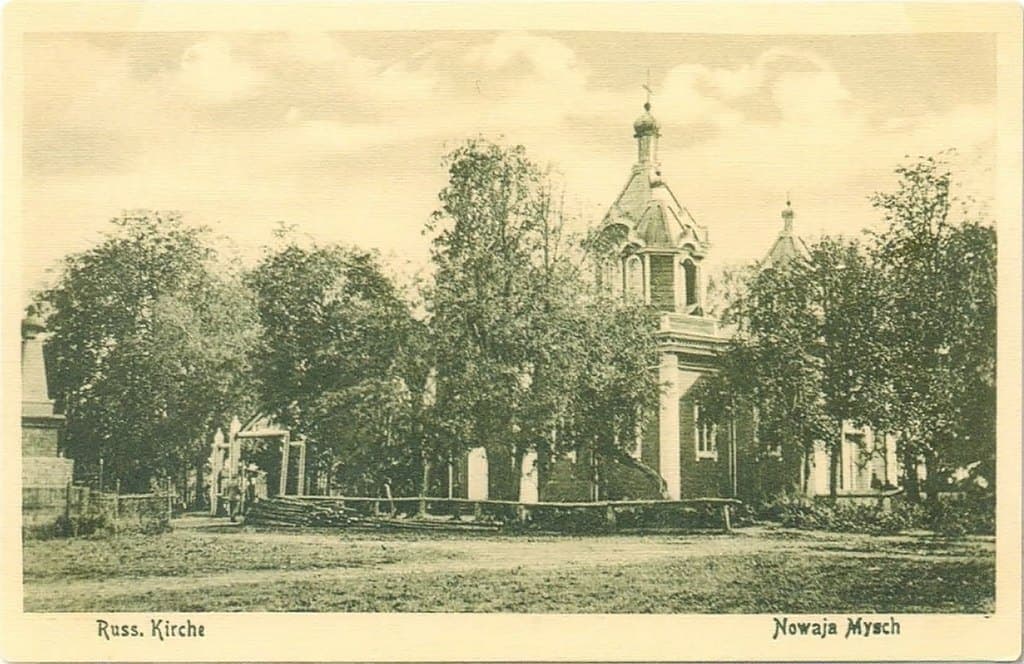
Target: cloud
{"type": "Point", "coordinates": [211, 73]}
{"type": "Point", "coordinates": [343, 136]}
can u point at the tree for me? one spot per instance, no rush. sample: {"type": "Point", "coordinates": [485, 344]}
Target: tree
{"type": "Point", "coordinates": [615, 390]}
{"type": "Point", "coordinates": [728, 285]}
{"type": "Point", "coordinates": [149, 344]}
{"type": "Point", "coordinates": [489, 253]}
{"type": "Point", "coordinates": [805, 346]}
{"type": "Point", "coordinates": [334, 360]}
{"type": "Point", "coordinates": [938, 261]}
{"type": "Point", "coordinates": [524, 345]}
{"type": "Point", "coordinates": [773, 362]}
{"type": "Point", "coordinates": [853, 319]}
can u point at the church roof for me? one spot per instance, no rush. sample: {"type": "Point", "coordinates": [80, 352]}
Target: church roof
{"type": "Point", "coordinates": [648, 207]}
{"type": "Point", "coordinates": [788, 246]}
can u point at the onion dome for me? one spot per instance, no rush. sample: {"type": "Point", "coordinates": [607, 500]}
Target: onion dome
{"type": "Point", "coordinates": [646, 125]}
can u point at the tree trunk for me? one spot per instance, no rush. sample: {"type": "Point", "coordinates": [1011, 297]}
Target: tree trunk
{"type": "Point", "coordinates": [200, 502]}
{"type": "Point", "coordinates": [424, 486]}
{"type": "Point", "coordinates": [805, 471]}
{"type": "Point", "coordinates": [517, 472]}
{"type": "Point", "coordinates": [932, 479]}
{"type": "Point", "coordinates": [910, 483]}
{"type": "Point", "coordinates": [833, 466]}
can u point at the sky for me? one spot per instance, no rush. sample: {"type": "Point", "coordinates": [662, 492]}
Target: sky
{"type": "Point", "coordinates": [342, 134]}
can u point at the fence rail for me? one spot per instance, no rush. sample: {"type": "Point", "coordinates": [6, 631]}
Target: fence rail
{"type": "Point", "coordinates": [523, 512]}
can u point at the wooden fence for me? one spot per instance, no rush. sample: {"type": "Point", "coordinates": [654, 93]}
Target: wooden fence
{"type": "Point", "coordinates": [73, 510]}
{"type": "Point", "coordinates": [619, 515]}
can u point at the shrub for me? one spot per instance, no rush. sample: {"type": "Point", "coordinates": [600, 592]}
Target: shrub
{"type": "Point", "coordinates": [954, 515]}
{"type": "Point", "coordinates": [73, 526]}
{"type": "Point", "coordinates": [962, 514]}
{"type": "Point", "coordinates": [567, 520]}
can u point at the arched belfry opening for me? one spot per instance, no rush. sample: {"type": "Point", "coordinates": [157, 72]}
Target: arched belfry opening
{"type": "Point", "coordinates": [634, 282]}
{"type": "Point", "coordinates": [691, 285]}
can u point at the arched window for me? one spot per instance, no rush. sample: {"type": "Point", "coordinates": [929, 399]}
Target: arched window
{"type": "Point", "coordinates": [613, 277]}
{"type": "Point", "coordinates": [705, 435]}
{"type": "Point", "coordinates": [634, 277]}
{"type": "Point", "coordinates": [690, 279]}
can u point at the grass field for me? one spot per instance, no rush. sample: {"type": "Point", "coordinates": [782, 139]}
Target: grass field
{"type": "Point", "coordinates": [205, 567]}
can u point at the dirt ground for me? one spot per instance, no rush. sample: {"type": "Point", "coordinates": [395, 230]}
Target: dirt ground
{"type": "Point", "coordinates": [206, 564]}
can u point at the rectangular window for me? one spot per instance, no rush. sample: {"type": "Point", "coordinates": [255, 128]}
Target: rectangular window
{"type": "Point", "coordinates": [705, 435]}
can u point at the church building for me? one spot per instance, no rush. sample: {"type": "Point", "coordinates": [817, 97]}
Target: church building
{"type": "Point", "coordinates": [656, 254]}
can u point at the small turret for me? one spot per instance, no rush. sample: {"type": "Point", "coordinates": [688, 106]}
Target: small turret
{"type": "Point", "coordinates": [788, 246]}
{"type": "Point", "coordinates": [787, 219]}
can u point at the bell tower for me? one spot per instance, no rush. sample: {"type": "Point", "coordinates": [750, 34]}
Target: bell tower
{"type": "Point", "coordinates": [653, 251]}
{"type": "Point", "coordinates": [657, 248]}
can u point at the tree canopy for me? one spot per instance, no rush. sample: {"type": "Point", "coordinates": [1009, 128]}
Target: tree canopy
{"type": "Point", "coordinates": [337, 361]}
{"type": "Point", "coordinates": [149, 341]}
{"type": "Point", "coordinates": [529, 356]}
{"type": "Point", "coordinates": [896, 332]}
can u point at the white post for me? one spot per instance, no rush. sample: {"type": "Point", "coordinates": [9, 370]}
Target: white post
{"type": "Point", "coordinates": [529, 486]}
{"type": "Point", "coordinates": [285, 444]}
{"type": "Point", "coordinates": [668, 424]}
{"type": "Point", "coordinates": [476, 474]}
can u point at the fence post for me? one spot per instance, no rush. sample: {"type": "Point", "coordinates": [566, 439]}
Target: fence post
{"type": "Point", "coordinates": [521, 513]}
{"type": "Point", "coordinates": [609, 515]}
{"type": "Point", "coordinates": [170, 501]}
{"type": "Point", "coordinates": [67, 502]}
{"type": "Point", "coordinates": [478, 511]}
{"type": "Point", "coordinates": [725, 518]}
{"type": "Point", "coordinates": [117, 510]}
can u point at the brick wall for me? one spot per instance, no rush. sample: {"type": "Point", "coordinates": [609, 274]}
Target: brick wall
{"type": "Point", "coordinates": [704, 477]}
{"type": "Point", "coordinates": [37, 472]}
{"type": "Point", "coordinates": [39, 441]}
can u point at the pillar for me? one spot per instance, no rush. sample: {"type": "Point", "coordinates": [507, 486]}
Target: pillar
{"type": "Point", "coordinates": [668, 424]}
{"type": "Point", "coordinates": [678, 288]}
{"type": "Point", "coordinates": [529, 489]}
{"type": "Point", "coordinates": [476, 474]}
{"type": "Point", "coordinates": [698, 276]}
{"type": "Point", "coordinates": [646, 277]}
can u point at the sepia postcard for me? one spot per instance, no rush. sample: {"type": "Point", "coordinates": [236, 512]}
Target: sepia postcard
{"type": "Point", "coordinates": [511, 331]}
